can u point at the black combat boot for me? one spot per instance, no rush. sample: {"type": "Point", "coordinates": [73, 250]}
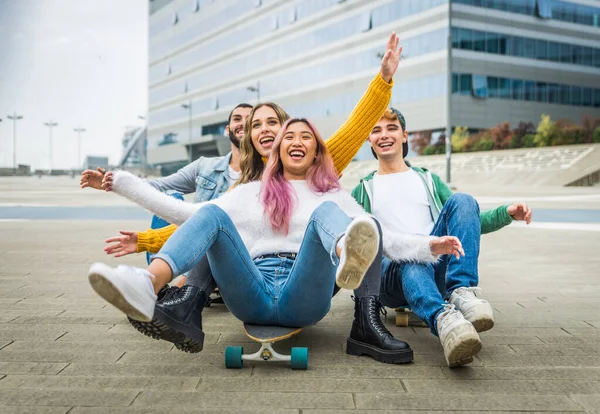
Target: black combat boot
{"type": "Point", "coordinates": [370, 337]}
{"type": "Point", "coordinates": [155, 329]}
{"type": "Point", "coordinates": [181, 313]}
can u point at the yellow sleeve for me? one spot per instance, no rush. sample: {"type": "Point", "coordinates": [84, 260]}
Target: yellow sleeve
{"type": "Point", "coordinates": [152, 240]}
{"type": "Point", "coordinates": [344, 144]}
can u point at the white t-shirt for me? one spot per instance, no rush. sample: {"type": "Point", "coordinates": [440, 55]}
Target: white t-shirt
{"type": "Point", "coordinates": [400, 203]}
{"type": "Point", "coordinates": [233, 175]}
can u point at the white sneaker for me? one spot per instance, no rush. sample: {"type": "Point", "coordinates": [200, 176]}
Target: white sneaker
{"type": "Point", "coordinates": [127, 288]}
{"type": "Point", "coordinates": [458, 337]}
{"type": "Point", "coordinates": [477, 311]}
{"type": "Point", "coordinates": [359, 248]}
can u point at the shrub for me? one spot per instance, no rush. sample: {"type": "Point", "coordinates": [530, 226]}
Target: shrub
{"type": "Point", "coordinates": [546, 132]}
{"type": "Point", "coordinates": [420, 141]}
{"type": "Point", "coordinates": [459, 139]}
{"type": "Point", "coordinates": [529, 141]}
{"type": "Point", "coordinates": [596, 137]}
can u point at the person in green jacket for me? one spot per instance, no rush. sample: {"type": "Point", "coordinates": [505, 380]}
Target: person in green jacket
{"type": "Point", "coordinates": [415, 201]}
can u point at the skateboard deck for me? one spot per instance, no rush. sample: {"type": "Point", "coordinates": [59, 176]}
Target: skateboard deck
{"type": "Point", "coordinates": [267, 336]}
{"type": "Point", "coordinates": [405, 317]}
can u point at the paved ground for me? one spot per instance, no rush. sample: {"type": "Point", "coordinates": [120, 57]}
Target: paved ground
{"type": "Point", "coordinates": [62, 349]}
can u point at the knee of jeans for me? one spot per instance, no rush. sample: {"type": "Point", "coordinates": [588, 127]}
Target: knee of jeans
{"type": "Point", "coordinates": [463, 201]}
{"type": "Point", "coordinates": [326, 207]}
{"type": "Point", "coordinates": [212, 212]}
{"type": "Point", "coordinates": [174, 194]}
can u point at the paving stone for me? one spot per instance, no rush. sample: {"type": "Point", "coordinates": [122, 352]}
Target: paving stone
{"type": "Point", "coordinates": [190, 370]}
{"type": "Point", "coordinates": [73, 320]}
{"type": "Point", "coordinates": [12, 397]}
{"type": "Point", "coordinates": [550, 387]}
{"type": "Point", "coordinates": [26, 335]}
{"type": "Point", "coordinates": [53, 356]}
{"type": "Point", "coordinates": [334, 385]}
{"type": "Point", "coordinates": [34, 368]}
{"type": "Point", "coordinates": [268, 400]}
{"type": "Point", "coordinates": [150, 346]}
{"type": "Point", "coordinates": [36, 410]}
{"type": "Point", "coordinates": [174, 383]}
{"type": "Point", "coordinates": [572, 350]}
{"type": "Point", "coordinates": [541, 361]}
{"type": "Point", "coordinates": [523, 373]}
{"type": "Point", "coordinates": [184, 410]}
{"type": "Point", "coordinates": [77, 328]}
{"type": "Point", "coordinates": [589, 402]}
{"type": "Point", "coordinates": [379, 372]}
{"type": "Point", "coordinates": [485, 402]}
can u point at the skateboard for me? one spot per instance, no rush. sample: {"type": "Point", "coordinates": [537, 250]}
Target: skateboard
{"type": "Point", "coordinates": [267, 336]}
{"type": "Point", "coordinates": [405, 317]}
{"type": "Point", "coordinates": [214, 298]}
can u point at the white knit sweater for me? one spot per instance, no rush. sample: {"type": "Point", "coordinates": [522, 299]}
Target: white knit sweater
{"type": "Point", "coordinates": [243, 205]}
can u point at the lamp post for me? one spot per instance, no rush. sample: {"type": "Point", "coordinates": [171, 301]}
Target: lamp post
{"type": "Point", "coordinates": [255, 89]}
{"type": "Point", "coordinates": [50, 124]}
{"type": "Point", "coordinates": [189, 108]}
{"type": "Point", "coordinates": [449, 98]}
{"type": "Point", "coordinates": [79, 131]}
{"type": "Point", "coordinates": [15, 117]}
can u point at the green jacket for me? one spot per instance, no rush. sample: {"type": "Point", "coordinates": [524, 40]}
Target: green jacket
{"type": "Point", "coordinates": [437, 194]}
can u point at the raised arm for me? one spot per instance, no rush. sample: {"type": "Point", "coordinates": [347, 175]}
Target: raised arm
{"type": "Point", "coordinates": [349, 138]}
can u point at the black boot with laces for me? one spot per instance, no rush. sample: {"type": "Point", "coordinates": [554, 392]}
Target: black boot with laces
{"type": "Point", "coordinates": [370, 337]}
{"type": "Point", "coordinates": [155, 329]}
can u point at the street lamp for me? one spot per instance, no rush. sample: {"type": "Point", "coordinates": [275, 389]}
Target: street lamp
{"type": "Point", "coordinates": [79, 130]}
{"type": "Point", "coordinates": [50, 124]}
{"type": "Point", "coordinates": [189, 108]}
{"type": "Point", "coordinates": [15, 117]}
{"type": "Point", "coordinates": [255, 89]}
{"type": "Point", "coordinates": [449, 98]}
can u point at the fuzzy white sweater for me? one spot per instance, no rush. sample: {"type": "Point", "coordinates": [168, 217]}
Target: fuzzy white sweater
{"type": "Point", "coordinates": [243, 205]}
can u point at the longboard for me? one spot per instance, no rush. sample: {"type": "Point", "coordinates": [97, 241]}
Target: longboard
{"type": "Point", "coordinates": [405, 317]}
{"type": "Point", "coordinates": [266, 336]}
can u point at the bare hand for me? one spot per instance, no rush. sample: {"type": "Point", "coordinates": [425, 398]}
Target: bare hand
{"type": "Point", "coordinates": [520, 212]}
{"type": "Point", "coordinates": [107, 182]}
{"type": "Point", "coordinates": [391, 58]}
{"type": "Point", "coordinates": [447, 245]}
{"type": "Point", "coordinates": [122, 245]}
{"type": "Point", "coordinates": [92, 178]}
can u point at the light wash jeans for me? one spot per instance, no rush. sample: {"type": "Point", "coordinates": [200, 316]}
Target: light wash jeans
{"type": "Point", "coordinates": [424, 287]}
{"type": "Point", "coordinates": [266, 291]}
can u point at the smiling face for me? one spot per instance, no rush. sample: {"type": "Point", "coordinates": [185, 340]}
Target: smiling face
{"type": "Point", "coordinates": [264, 128]}
{"type": "Point", "coordinates": [298, 150]}
{"type": "Point", "coordinates": [235, 129]}
{"type": "Point", "coordinates": [387, 138]}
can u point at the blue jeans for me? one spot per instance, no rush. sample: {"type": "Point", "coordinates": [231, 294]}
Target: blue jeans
{"type": "Point", "coordinates": [159, 223]}
{"type": "Point", "coordinates": [424, 287]}
{"type": "Point", "coordinates": [265, 291]}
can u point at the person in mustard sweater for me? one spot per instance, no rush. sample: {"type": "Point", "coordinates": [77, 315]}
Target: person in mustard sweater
{"type": "Point", "coordinates": [443, 294]}
{"type": "Point", "coordinates": [180, 310]}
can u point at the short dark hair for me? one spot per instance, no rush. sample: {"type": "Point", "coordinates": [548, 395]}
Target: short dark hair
{"type": "Point", "coordinates": [394, 114]}
{"type": "Point", "coordinates": [242, 105]}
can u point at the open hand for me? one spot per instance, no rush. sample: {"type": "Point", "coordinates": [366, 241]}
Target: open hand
{"type": "Point", "coordinates": [107, 182]}
{"type": "Point", "coordinates": [447, 245]}
{"type": "Point", "coordinates": [520, 212]}
{"type": "Point", "coordinates": [122, 245]}
{"type": "Point", "coordinates": [391, 58]}
{"type": "Point", "coordinates": [92, 178]}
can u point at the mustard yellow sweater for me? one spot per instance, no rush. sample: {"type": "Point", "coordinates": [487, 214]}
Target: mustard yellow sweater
{"type": "Point", "coordinates": [343, 146]}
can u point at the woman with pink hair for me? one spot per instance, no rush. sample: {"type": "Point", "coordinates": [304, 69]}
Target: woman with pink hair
{"type": "Point", "coordinates": [276, 247]}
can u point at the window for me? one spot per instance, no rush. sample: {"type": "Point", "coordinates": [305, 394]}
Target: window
{"type": "Point", "coordinates": [517, 90]}
{"type": "Point", "coordinates": [596, 98]}
{"type": "Point", "coordinates": [565, 53]}
{"type": "Point", "coordinates": [480, 88]}
{"type": "Point", "coordinates": [575, 95]}
{"type": "Point", "coordinates": [529, 91]}
{"type": "Point", "coordinates": [518, 46]}
{"type": "Point", "coordinates": [492, 42]}
{"type": "Point", "coordinates": [366, 23]}
{"type": "Point", "coordinates": [175, 19]}
{"type": "Point", "coordinates": [553, 92]}
{"type": "Point", "coordinates": [586, 96]}
{"type": "Point", "coordinates": [504, 44]}
{"type": "Point", "coordinates": [553, 52]}
{"type": "Point", "coordinates": [466, 82]}
{"type": "Point", "coordinates": [493, 87]}
{"type": "Point", "coordinates": [504, 88]}
{"type": "Point", "coordinates": [529, 48]}
{"type": "Point", "coordinates": [597, 58]}
{"type": "Point", "coordinates": [454, 83]}
{"type": "Point", "coordinates": [564, 95]}
{"type": "Point", "coordinates": [196, 6]}
{"type": "Point", "coordinates": [478, 41]}
{"type": "Point", "coordinates": [541, 92]}
{"type": "Point", "coordinates": [465, 39]}
{"type": "Point", "coordinates": [587, 56]}
{"type": "Point", "coordinates": [543, 9]}
{"type": "Point", "coordinates": [576, 53]}
{"type": "Point", "coordinates": [455, 41]}
{"type": "Point", "coordinates": [541, 50]}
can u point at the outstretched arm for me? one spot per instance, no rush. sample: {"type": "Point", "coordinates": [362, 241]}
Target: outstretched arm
{"type": "Point", "coordinates": [172, 210]}
{"type": "Point", "coordinates": [151, 240]}
{"type": "Point", "coordinates": [344, 144]}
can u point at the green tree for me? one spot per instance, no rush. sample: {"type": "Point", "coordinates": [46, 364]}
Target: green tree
{"type": "Point", "coordinates": [546, 132]}
{"type": "Point", "coordinates": [597, 135]}
{"type": "Point", "coordinates": [459, 139]}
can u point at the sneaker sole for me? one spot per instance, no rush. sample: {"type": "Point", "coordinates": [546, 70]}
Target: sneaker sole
{"type": "Point", "coordinates": [360, 253]}
{"type": "Point", "coordinates": [113, 295]}
{"type": "Point", "coordinates": [464, 353]}
{"type": "Point", "coordinates": [388, 357]}
{"type": "Point", "coordinates": [483, 324]}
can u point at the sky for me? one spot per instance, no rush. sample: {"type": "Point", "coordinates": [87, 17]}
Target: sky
{"type": "Point", "coordinates": [75, 62]}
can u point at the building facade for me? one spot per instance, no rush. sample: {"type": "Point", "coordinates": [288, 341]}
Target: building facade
{"type": "Point", "coordinates": [511, 60]}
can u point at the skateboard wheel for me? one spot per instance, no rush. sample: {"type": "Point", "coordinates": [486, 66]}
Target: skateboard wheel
{"type": "Point", "coordinates": [401, 319]}
{"type": "Point", "coordinates": [299, 358]}
{"type": "Point", "coordinates": [233, 357]}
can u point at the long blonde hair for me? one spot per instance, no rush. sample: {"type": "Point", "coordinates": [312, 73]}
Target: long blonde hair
{"type": "Point", "coordinates": [251, 162]}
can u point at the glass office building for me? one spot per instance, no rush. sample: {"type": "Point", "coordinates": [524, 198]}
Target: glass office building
{"type": "Point", "coordinates": [511, 60]}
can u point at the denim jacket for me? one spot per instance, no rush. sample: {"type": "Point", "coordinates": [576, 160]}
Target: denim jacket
{"type": "Point", "coordinates": [207, 177]}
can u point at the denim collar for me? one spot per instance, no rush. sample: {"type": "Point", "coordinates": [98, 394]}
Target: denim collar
{"type": "Point", "coordinates": [224, 163]}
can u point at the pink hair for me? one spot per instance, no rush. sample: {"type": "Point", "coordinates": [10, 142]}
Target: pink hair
{"type": "Point", "coordinates": [277, 192]}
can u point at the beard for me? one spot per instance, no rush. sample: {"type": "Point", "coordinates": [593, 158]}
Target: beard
{"type": "Point", "coordinates": [234, 140]}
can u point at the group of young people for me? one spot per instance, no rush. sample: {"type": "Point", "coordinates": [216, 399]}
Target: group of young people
{"type": "Point", "coordinates": [273, 229]}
